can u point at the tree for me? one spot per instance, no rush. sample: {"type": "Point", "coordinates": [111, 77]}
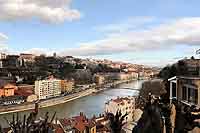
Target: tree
{"type": "Point", "coordinates": [116, 121]}
{"type": "Point", "coordinates": [79, 66]}
{"type": "Point", "coordinates": [65, 70]}
{"type": "Point", "coordinates": [82, 76]}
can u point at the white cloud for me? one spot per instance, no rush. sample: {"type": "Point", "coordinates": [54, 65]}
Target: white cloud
{"type": "Point", "coordinates": [3, 39]}
{"type": "Point", "coordinates": [3, 36]}
{"type": "Point", "coordinates": [51, 11]}
{"type": "Point", "coordinates": [184, 31]}
{"type": "Point", "coordinates": [125, 25]}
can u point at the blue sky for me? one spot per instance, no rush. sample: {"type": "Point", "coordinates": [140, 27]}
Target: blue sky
{"type": "Point", "coordinates": [151, 32]}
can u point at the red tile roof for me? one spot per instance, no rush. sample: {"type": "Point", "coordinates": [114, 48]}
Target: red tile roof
{"type": "Point", "coordinates": [65, 122]}
{"type": "Point", "coordinates": [23, 93]}
{"type": "Point", "coordinates": [57, 128]}
{"type": "Point", "coordinates": [78, 122]}
{"type": "Point", "coordinates": [80, 126]}
{"type": "Point", "coordinates": [90, 123]}
{"type": "Point", "coordinates": [118, 100]}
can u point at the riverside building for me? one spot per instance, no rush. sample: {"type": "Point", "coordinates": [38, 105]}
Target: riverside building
{"type": "Point", "coordinates": [48, 88]}
{"type": "Point", "coordinates": [67, 86]}
{"type": "Point", "coordinates": [7, 90]}
{"type": "Point", "coordinates": [123, 104]}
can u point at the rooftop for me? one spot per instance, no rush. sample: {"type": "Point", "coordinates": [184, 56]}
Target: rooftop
{"type": "Point", "coordinates": [121, 99]}
{"type": "Point", "coordinates": [184, 77]}
{"type": "Point", "coordinates": [78, 122]}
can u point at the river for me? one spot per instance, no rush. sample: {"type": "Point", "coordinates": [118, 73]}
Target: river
{"type": "Point", "coordinates": [89, 105]}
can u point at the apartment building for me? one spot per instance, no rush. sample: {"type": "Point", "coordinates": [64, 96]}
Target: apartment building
{"type": "Point", "coordinates": [7, 90]}
{"type": "Point", "coordinates": [27, 57]}
{"type": "Point", "coordinates": [47, 88]}
{"type": "Point", "coordinates": [67, 86]}
{"type": "Point", "coordinates": [99, 79]}
{"type": "Point", "coordinates": [186, 89]}
{"type": "Point", "coordinates": [123, 104]}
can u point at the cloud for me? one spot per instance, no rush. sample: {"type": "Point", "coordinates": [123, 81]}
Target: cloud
{"type": "Point", "coordinates": [3, 39]}
{"type": "Point", "coordinates": [51, 11]}
{"type": "Point", "coordinates": [168, 35]}
{"type": "Point", "coordinates": [125, 25]}
{"type": "Point", "coordinates": [3, 36]}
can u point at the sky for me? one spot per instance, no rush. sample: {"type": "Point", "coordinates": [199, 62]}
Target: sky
{"type": "Point", "coordinates": [149, 32]}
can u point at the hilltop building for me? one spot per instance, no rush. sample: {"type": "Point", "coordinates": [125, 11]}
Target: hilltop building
{"type": "Point", "coordinates": [27, 57]}
{"type": "Point", "coordinates": [2, 56]}
{"type": "Point", "coordinates": [10, 61]}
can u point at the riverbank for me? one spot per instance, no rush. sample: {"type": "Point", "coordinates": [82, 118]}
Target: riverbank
{"type": "Point", "coordinates": [45, 103]}
{"type": "Point", "coordinates": [57, 100]}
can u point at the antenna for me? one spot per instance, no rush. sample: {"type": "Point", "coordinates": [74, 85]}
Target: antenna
{"type": "Point", "coordinates": [198, 52]}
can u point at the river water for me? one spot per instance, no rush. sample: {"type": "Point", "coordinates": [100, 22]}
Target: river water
{"type": "Point", "coordinates": [89, 105]}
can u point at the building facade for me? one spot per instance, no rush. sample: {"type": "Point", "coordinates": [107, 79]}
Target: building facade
{"type": "Point", "coordinates": [67, 86]}
{"type": "Point", "coordinates": [48, 88]}
{"type": "Point", "coordinates": [27, 57]}
{"type": "Point", "coordinates": [186, 89]}
{"type": "Point", "coordinates": [99, 79]}
{"type": "Point", "coordinates": [7, 90]}
{"type": "Point", "coordinates": [125, 76]}
{"type": "Point", "coordinates": [124, 104]}
{"type": "Point", "coordinates": [2, 56]}
{"type": "Point", "coordinates": [10, 61]}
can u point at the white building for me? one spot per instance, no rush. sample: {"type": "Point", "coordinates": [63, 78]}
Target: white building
{"type": "Point", "coordinates": [124, 104]}
{"type": "Point", "coordinates": [2, 56]}
{"type": "Point", "coordinates": [47, 88]}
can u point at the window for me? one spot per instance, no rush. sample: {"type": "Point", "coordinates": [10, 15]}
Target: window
{"type": "Point", "coordinates": [192, 95]}
{"type": "Point", "coordinates": [184, 93]}
{"type": "Point", "coordinates": [189, 94]}
{"type": "Point", "coordinates": [195, 96]}
{"type": "Point", "coordinates": [173, 89]}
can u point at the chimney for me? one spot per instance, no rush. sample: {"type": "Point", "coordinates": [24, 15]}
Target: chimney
{"type": "Point", "coordinates": [81, 113]}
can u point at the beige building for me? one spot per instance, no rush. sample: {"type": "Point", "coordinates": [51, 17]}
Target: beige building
{"type": "Point", "coordinates": [27, 57]}
{"type": "Point", "coordinates": [99, 79]}
{"type": "Point", "coordinates": [186, 89]}
{"type": "Point", "coordinates": [47, 88]}
{"type": "Point", "coordinates": [126, 76]}
{"type": "Point", "coordinates": [67, 86]}
{"type": "Point", "coordinates": [123, 104]}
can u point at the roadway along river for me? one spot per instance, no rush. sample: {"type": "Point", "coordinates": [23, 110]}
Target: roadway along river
{"type": "Point", "coordinates": [90, 105]}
